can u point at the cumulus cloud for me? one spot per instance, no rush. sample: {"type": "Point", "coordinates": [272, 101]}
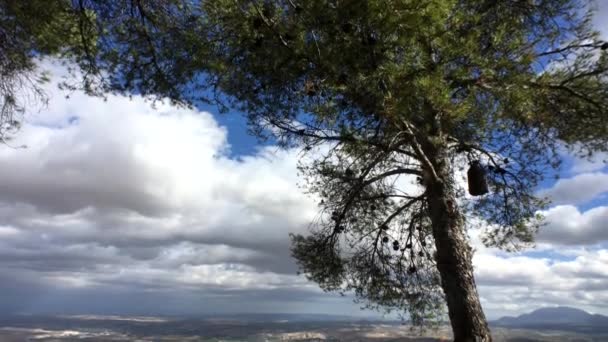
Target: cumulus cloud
{"type": "Point", "coordinates": [579, 189]}
{"type": "Point", "coordinates": [567, 225]}
{"type": "Point", "coordinates": [596, 162]}
{"type": "Point", "coordinates": [116, 206]}
{"type": "Point", "coordinates": [118, 193]}
{"type": "Point", "coordinates": [512, 284]}
{"type": "Point", "coordinates": [577, 163]}
{"type": "Point", "coordinates": [600, 21]}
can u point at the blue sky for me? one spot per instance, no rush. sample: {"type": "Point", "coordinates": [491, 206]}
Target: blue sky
{"type": "Point", "coordinates": [119, 208]}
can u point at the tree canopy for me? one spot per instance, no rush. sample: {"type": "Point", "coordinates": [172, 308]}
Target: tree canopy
{"type": "Point", "coordinates": [392, 99]}
{"type": "Point", "coordinates": [30, 30]}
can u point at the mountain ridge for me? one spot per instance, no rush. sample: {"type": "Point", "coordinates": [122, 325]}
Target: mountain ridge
{"type": "Point", "coordinates": [557, 318]}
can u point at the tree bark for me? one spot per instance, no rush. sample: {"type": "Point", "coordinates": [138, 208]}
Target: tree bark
{"type": "Point", "coordinates": [454, 257]}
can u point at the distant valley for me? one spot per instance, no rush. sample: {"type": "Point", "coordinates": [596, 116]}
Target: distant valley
{"type": "Point", "coordinates": [546, 324]}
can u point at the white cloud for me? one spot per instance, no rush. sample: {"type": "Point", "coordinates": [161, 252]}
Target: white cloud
{"type": "Point", "coordinates": [119, 194]}
{"type": "Point", "coordinates": [595, 163]}
{"type": "Point", "coordinates": [578, 163]}
{"type": "Point", "coordinates": [549, 275]}
{"type": "Point", "coordinates": [115, 204]}
{"type": "Point", "coordinates": [581, 188]}
{"type": "Point", "coordinates": [601, 17]}
{"type": "Point", "coordinates": [512, 284]}
{"type": "Point", "coordinates": [566, 225]}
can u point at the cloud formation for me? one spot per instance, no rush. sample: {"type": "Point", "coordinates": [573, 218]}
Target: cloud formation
{"type": "Point", "coordinates": [579, 189]}
{"type": "Point", "coordinates": [119, 207]}
{"type": "Point", "coordinates": [511, 284]}
{"type": "Point", "coordinates": [567, 225]}
{"type": "Point", "coordinates": [600, 21]}
{"type": "Point", "coordinates": [118, 194]}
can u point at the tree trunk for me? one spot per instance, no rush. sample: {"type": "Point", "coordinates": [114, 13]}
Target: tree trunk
{"type": "Point", "coordinates": [454, 257]}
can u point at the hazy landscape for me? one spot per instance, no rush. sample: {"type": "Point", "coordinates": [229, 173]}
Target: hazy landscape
{"type": "Point", "coordinates": [549, 324]}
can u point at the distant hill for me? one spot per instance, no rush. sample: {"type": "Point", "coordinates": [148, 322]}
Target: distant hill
{"type": "Point", "coordinates": [557, 318]}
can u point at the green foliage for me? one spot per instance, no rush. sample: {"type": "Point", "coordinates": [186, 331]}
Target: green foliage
{"type": "Point", "coordinates": [322, 261]}
{"type": "Point", "coordinates": [31, 30]}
